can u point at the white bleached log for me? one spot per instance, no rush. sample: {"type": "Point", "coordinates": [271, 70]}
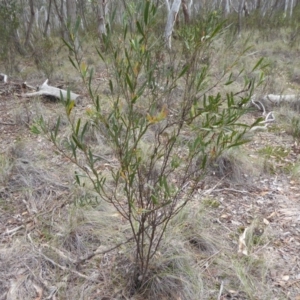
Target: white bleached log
{"type": "Point", "coordinates": [279, 99]}
{"type": "Point", "coordinates": [48, 90]}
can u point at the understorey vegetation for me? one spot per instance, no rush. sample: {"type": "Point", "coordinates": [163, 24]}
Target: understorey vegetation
{"type": "Point", "coordinates": [163, 122]}
{"type": "Point", "coordinates": [149, 149]}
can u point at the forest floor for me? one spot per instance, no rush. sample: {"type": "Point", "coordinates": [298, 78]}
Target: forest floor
{"type": "Point", "coordinates": [45, 226]}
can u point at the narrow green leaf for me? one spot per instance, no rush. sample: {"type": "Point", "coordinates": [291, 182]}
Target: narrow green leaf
{"type": "Point", "coordinates": [57, 127]}
{"type": "Point", "coordinates": [100, 55]}
{"type": "Point", "coordinates": [257, 64]}
{"type": "Point", "coordinates": [146, 12]}
{"type": "Point", "coordinates": [76, 27]}
{"type": "Point", "coordinates": [98, 107]}
{"type": "Point", "coordinates": [34, 129]}
{"type": "Point", "coordinates": [166, 186]}
{"type": "Point", "coordinates": [154, 199]}
{"type": "Point", "coordinates": [78, 144]}
{"type": "Point", "coordinates": [204, 161]}
{"type": "Point", "coordinates": [139, 27]}
{"type": "Point", "coordinates": [239, 143]}
{"type": "Point", "coordinates": [91, 159]}
{"type": "Point", "coordinates": [69, 106]}
{"type": "Point", "coordinates": [91, 77]}
{"type": "Point", "coordinates": [68, 45]}
{"type": "Point", "coordinates": [83, 131]}
{"type": "Point", "coordinates": [125, 32]}
{"type": "Point", "coordinates": [111, 87]}
{"type": "Point", "coordinates": [217, 30]}
{"type": "Point", "coordinates": [73, 148]}
{"type": "Point", "coordinates": [129, 83]}
{"type": "Point", "coordinates": [73, 63]}
{"type": "Point", "coordinates": [77, 127]}
{"type": "Point", "coordinates": [229, 82]}
{"type": "Point", "coordinates": [184, 70]}
{"type": "Point", "coordinates": [77, 178]}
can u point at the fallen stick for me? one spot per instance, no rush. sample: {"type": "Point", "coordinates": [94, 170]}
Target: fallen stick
{"type": "Point", "coordinates": [48, 90]}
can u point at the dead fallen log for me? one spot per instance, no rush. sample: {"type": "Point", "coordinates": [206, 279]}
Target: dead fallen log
{"type": "Point", "coordinates": [48, 90]}
{"type": "Point", "coordinates": [281, 99]}
{"type": "Point", "coordinates": [268, 102]}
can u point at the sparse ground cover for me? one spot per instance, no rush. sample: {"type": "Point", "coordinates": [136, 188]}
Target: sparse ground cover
{"type": "Point", "coordinates": [238, 238]}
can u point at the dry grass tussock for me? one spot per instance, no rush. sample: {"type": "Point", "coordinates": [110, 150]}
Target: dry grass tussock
{"type": "Point", "coordinates": [41, 258]}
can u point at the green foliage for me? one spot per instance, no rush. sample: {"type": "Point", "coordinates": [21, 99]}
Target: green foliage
{"type": "Point", "coordinates": [45, 54]}
{"type": "Point", "coordinates": [295, 128]}
{"type": "Point", "coordinates": [8, 24]}
{"type": "Point", "coordinates": [162, 124]}
{"type": "Point", "coordinates": [276, 159]}
{"type": "Point", "coordinates": [279, 153]}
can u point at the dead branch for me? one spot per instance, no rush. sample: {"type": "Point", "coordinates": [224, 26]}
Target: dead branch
{"type": "Point", "coordinates": [263, 125]}
{"type": "Point", "coordinates": [4, 123]}
{"type": "Point", "coordinates": [64, 268]}
{"type": "Point", "coordinates": [12, 231]}
{"type": "Point", "coordinates": [97, 252]}
{"type": "Point", "coordinates": [48, 90]}
{"type": "Point", "coordinates": [279, 99]}
{"type": "Point", "coordinates": [60, 253]}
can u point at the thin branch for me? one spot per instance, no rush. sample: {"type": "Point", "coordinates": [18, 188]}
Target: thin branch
{"type": "Point", "coordinates": [64, 268]}
{"type": "Point", "coordinates": [221, 290]}
{"type": "Point", "coordinates": [12, 231]}
{"type": "Point", "coordinates": [4, 123]}
{"type": "Point", "coordinates": [91, 255]}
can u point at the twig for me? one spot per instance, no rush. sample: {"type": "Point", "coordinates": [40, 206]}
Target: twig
{"type": "Point", "coordinates": [60, 253]}
{"type": "Point", "coordinates": [232, 190]}
{"type": "Point", "coordinates": [29, 86]}
{"type": "Point", "coordinates": [270, 118]}
{"type": "Point", "coordinates": [102, 157]}
{"type": "Point", "coordinates": [64, 268]}
{"type": "Point", "coordinates": [55, 263]}
{"type": "Point", "coordinates": [294, 282]}
{"type": "Point", "coordinates": [9, 232]}
{"type": "Point", "coordinates": [4, 123]}
{"type": "Point", "coordinates": [207, 192]}
{"type": "Point", "coordinates": [91, 255]}
{"type": "Point", "coordinates": [258, 105]}
{"type": "Point", "coordinates": [208, 259]}
{"type": "Point", "coordinates": [221, 290]}
{"type": "Point", "coordinates": [218, 221]}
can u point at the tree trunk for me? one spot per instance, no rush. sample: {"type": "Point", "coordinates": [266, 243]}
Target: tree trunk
{"type": "Point", "coordinates": [31, 20]}
{"type": "Point", "coordinates": [60, 15]}
{"type": "Point", "coordinates": [241, 9]}
{"type": "Point", "coordinates": [226, 8]}
{"type": "Point", "coordinates": [71, 21]}
{"type": "Point", "coordinates": [71, 12]}
{"type": "Point", "coordinates": [170, 22]}
{"type": "Point", "coordinates": [101, 14]}
{"type": "Point", "coordinates": [82, 10]}
{"type": "Point", "coordinates": [48, 19]}
{"type": "Point", "coordinates": [186, 13]}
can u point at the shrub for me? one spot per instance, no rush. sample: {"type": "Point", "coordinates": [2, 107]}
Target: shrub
{"type": "Point", "coordinates": [162, 122]}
